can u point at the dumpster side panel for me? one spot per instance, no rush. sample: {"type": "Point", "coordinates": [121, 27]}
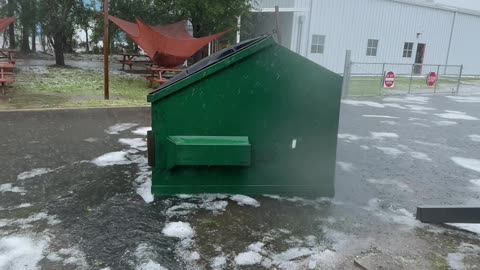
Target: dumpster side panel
{"type": "Point", "coordinates": [285, 104]}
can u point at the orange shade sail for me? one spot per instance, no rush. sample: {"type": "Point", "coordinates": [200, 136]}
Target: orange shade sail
{"type": "Point", "coordinates": [167, 45]}
{"type": "Point", "coordinates": [5, 22]}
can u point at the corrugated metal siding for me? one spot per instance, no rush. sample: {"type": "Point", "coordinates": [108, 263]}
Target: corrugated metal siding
{"type": "Point", "coordinates": [466, 44]}
{"type": "Point", "coordinates": [285, 4]}
{"type": "Point", "coordinates": [273, 3]}
{"type": "Point", "coordinates": [348, 24]}
{"type": "Point", "coordinates": [299, 8]}
{"type": "Point", "coordinates": [299, 40]}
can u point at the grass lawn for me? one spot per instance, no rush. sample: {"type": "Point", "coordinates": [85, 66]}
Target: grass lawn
{"type": "Point", "coordinates": [60, 87]}
{"type": "Point", "coordinates": [57, 87]}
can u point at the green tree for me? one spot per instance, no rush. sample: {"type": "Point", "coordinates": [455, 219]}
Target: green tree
{"type": "Point", "coordinates": [84, 15]}
{"type": "Point", "coordinates": [34, 25]}
{"type": "Point", "coordinates": [27, 10]}
{"type": "Point", "coordinates": [11, 7]}
{"type": "Point", "coordinates": [149, 11]}
{"type": "Point", "coordinates": [210, 16]}
{"type": "Point", "coordinates": [207, 16]}
{"type": "Point", "coordinates": [3, 8]}
{"type": "Point", "coordinates": [57, 24]}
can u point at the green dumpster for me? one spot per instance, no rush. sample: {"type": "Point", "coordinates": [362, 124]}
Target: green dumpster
{"type": "Point", "coordinates": [255, 118]}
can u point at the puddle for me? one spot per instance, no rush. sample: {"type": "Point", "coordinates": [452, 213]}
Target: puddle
{"type": "Point", "coordinates": [456, 116]}
{"type": "Point", "coordinates": [468, 163]}
{"type": "Point", "coordinates": [117, 128]}
{"type": "Point", "coordinates": [33, 173]}
{"type": "Point", "coordinates": [380, 116]}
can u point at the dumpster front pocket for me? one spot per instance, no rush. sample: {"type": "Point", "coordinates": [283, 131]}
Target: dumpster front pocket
{"type": "Point", "coordinates": [208, 151]}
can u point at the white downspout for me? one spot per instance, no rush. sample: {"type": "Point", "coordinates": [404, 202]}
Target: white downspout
{"type": "Point", "coordinates": [239, 23]}
{"type": "Point", "coordinates": [308, 28]}
{"type": "Point", "coordinates": [450, 41]}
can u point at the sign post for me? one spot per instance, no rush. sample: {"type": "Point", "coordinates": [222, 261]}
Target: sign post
{"type": "Point", "coordinates": [105, 50]}
{"type": "Point", "coordinates": [389, 80]}
{"type": "Point", "coordinates": [431, 79]}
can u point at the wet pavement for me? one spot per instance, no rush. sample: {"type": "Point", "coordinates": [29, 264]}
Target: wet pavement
{"type": "Point", "coordinates": [74, 195]}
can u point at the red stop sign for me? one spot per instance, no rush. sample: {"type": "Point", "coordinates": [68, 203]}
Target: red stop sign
{"type": "Point", "coordinates": [431, 79]}
{"type": "Point", "coordinates": [389, 80]}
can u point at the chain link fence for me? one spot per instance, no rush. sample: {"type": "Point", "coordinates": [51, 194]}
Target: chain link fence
{"type": "Point", "coordinates": [367, 79]}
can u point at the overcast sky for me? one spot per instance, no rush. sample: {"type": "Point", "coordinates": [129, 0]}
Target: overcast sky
{"type": "Point", "coordinates": [470, 4]}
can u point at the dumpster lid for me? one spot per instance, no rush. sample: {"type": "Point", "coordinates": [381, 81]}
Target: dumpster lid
{"type": "Point", "coordinates": [209, 61]}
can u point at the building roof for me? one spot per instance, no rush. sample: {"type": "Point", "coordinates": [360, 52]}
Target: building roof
{"type": "Point", "coordinates": [433, 5]}
{"type": "Point", "coordinates": [257, 7]}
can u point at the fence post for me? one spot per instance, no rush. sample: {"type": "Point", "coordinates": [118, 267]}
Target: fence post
{"type": "Point", "coordinates": [381, 80]}
{"type": "Point", "coordinates": [411, 77]}
{"type": "Point", "coordinates": [459, 78]}
{"type": "Point", "coordinates": [346, 73]}
{"type": "Point", "coordinates": [438, 79]}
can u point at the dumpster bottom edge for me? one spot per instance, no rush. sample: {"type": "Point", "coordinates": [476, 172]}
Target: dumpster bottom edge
{"type": "Point", "coordinates": [285, 190]}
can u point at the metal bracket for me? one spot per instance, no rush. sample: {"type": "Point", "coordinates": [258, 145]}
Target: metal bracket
{"type": "Point", "coordinates": [448, 214]}
{"type": "Point", "coordinates": [151, 148]}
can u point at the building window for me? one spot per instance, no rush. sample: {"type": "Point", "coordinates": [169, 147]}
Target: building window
{"type": "Point", "coordinates": [318, 44]}
{"type": "Point", "coordinates": [372, 47]}
{"type": "Point", "coordinates": [407, 49]}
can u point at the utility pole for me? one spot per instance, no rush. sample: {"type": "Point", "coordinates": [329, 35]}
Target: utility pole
{"type": "Point", "coordinates": [106, 44]}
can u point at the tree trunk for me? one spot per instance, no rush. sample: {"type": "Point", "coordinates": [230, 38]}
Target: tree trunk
{"type": "Point", "coordinates": [87, 47]}
{"type": "Point", "coordinates": [42, 40]}
{"type": "Point", "coordinates": [25, 42]}
{"type": "Point", "coordinates": [11, 34]}
{"type": "Point", "coordinates": [59, 47]}
{"type": "Point", "coordinates": [11, 29]}
{"type": "Point", "coordinates": [111, 44]}
{"type": "Point", "coordinates": [197, 32]}
{"type": "Point", "coordinates": [34, 38]}
{"type": "Point", "coordinates": [5, 38]}
{"type": "Point", "coordinates": [68, 44]}
{"type": "Point", "coordinates": [130, 46]}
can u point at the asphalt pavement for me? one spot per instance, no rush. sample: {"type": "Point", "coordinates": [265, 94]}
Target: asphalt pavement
{"type": "Point", "coordinates": [74, 195]}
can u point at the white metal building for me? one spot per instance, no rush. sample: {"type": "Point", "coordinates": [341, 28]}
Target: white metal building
{"type": "Point", "coordinates": [393, 31]}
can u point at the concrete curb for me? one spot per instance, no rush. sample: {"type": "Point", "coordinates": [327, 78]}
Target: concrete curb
{"type": "Point", "coordinates": [73, 108]}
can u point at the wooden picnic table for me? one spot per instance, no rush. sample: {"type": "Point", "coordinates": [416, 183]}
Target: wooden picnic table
{"type": "Point", "coordinates": [8, 54]}
{"type": "Point", "coordinates": [6, 75]}
{"type": "Point", "coordinates": [157, 74]}
{"type": "Point", "coordinates": [129, 59]}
